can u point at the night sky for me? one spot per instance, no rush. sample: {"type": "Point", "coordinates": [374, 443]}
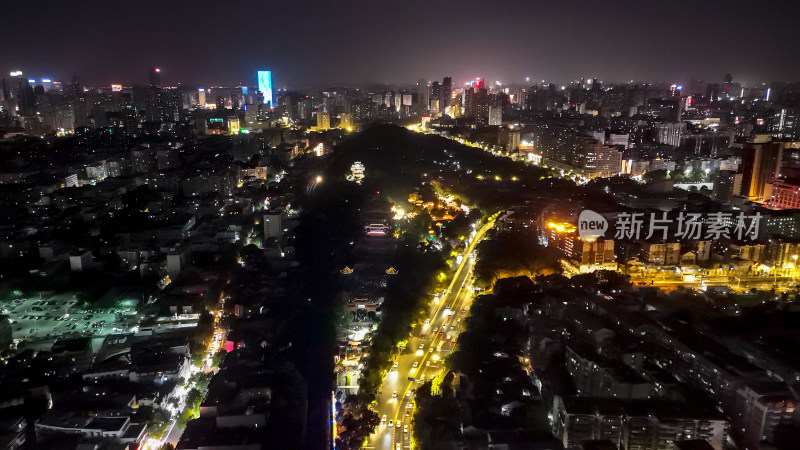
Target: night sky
{"type": "Point", "coordinates": [350, 42]}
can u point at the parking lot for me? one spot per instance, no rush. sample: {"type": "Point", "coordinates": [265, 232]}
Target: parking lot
{"type": "Point", "coordinates": [53, 316]}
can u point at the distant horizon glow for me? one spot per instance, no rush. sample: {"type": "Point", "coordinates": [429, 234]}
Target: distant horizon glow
{"type": "Point", "coordinates": [532, 45]}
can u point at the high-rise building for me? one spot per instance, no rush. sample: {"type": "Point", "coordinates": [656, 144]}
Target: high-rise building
{"type": "Point", "coordinates": [422, 93]}
{"type": "Point", "coordinates": [723, 186]}
{"type": "Point", "coordinates": [346, 122]}
{"type": "Point", "coordinates": [445, 92]}
{"type": "Point", "coordinates": [155, 77]}
{"type": "Point", "coordinates": [147, 98]}
{"type": "Point", "coordinates": [469, 102]}
{"type": "Point", "coordinates": [495, 115]}
{"type": "Point", "coordinates": [785, 195]}
{"type": "Point", "coordinates": [761, 164]}
{"type": "Point", "coordinates": [27, 100]}
{"type": "Point", "coordinates": [7, 95]}
{"type": "Point", "coordinates": [481, 113]}
{"type": "Point", "coordinates": [323, 121]}
{"type": "Point", "coordinates": [762, 410]}
{"type": "Point", "coordinates": [435, 91]}
{"type": "Point", "coordinates": [596, 159]}
{"type": "Point", "coordinates": [265, 87]}
{"type": "Point", "coordinates": [434, 106]}
{"type": "Point", "coordinates": [169, 105]}
{"type": "Point", "coordinates": [670, 133]}
{"type": "Point", "coordinates": [783, 124]}
{"type": "Point", "coordinates": [508, 138]}
{"type": "Point", "coordinates": [588, 254]}
{"type": "Point", "coordinates": [236, 100]}
{"type": "Point", "coordinates": [13, 91]}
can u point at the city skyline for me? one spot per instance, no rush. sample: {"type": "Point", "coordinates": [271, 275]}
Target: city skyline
{"type": "Point", "coordinates": [311, 44]}
{"type": "Point", "coordinates": [388, 225]}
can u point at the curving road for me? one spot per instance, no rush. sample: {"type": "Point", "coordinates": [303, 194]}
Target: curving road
{"type": "Point", "coordinates": [445, 318]}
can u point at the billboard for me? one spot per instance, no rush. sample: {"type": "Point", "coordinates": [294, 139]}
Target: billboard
{"type": "Point", "coordinates": [265, 86]}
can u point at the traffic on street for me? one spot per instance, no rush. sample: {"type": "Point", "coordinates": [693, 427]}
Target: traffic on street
{"type": "Point", "coordinates": [423, 358]}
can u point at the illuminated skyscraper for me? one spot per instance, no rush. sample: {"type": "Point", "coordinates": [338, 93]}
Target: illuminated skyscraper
{"type": "Point", "coordinates": [596, 159]}
{"type": "Point", "coordinates": [445, 92]}
{"type": "Point", "coordinates": [323, 121]}
{"type": "Point", "coordinates": [346, 122]}
{"type": "Point", "coordinates": [481, 105]}
{"type": "Point", "coordinates": [265, 87]}
{"type": "Point", "coordinates": [434, 93]}
{"type": "Point", "coordinates": [495, 115]}
{"type": "Point", "coordinates": [761, 164]}
{"type": "Point", "coordinates": [422, 93]}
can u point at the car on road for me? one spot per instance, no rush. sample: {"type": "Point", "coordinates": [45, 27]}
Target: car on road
{"type": "Point", "coordinates": [394, 366]}
{"type": "Point", "coordinates": [422, 346]}
{"type": "Point", "coordinates": [394, 394]}
{"type": "Point", "coordinates": [435, 328]}
{"type": "Point", "coordinates": [405, 428]}
{"type": "Point", "coordinates": [383, 419]}
{"type": "Point", "coordinates": [408, 394]}
{"type": "Point", "coordinates": [430, 349]}
{"type": "Point", "coordinates": [391, 423]}
{"type": "Point", "coordinates": [463, 310]}
{"type": "Point", "coordinates": [433, 375]}
{"type": "Point", "coordinates": [416, 364]}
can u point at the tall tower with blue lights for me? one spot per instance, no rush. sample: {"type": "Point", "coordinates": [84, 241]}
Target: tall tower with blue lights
{"type": "Point", "coordinates": [265, 87]}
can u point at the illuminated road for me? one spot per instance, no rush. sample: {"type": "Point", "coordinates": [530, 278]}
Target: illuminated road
{"type": "Point", "coordinates": [174, 432]}
{"type": "Point", "coordinates": [737, 284]}
{"type": "Point", "coordinates": [398, 410]}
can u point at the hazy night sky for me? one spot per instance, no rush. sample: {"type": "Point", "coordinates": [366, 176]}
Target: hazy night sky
{"type": "Point", "coordinates": [354, 41]}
